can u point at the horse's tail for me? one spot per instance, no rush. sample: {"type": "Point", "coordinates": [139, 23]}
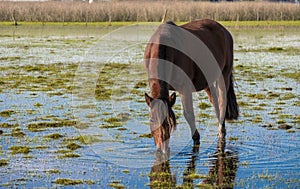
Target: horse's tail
{"type": "Point", "coordinates": [232, 110]}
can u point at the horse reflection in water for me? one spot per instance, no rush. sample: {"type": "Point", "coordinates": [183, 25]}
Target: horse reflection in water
{"type": "Point", "coordinates": [161, 176]}
{"type": "Point", "coordinates": [221, 173]}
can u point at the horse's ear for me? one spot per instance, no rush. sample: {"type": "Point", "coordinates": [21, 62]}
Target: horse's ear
{"type": "Point", "coordinates": [148, 99]}
{"type": "Point", "coordinates": [172, 99]}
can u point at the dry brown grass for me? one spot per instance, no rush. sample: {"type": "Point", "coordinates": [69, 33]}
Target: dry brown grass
{"type": "Point", "coordinates": [146, 11]}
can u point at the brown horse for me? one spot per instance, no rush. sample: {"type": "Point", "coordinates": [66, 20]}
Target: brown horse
{"type": "Point", "coordinates": [188, 58]}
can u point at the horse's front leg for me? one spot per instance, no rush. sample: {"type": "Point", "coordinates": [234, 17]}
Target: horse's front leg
{"type": "Point", "coordinates": [188, 112]}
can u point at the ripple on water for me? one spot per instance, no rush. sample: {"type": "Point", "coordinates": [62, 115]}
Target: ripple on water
{"type": "Point", "coordinates": [278, 152]}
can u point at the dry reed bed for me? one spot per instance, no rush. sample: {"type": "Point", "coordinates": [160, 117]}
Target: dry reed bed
{"type": "Point", "coordinates": [146, 11]}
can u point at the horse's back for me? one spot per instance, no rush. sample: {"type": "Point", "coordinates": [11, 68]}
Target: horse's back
{"type": "Point", "coordinates": [218, 40]}
{"type": "Point", "coordinates": [216, 37]}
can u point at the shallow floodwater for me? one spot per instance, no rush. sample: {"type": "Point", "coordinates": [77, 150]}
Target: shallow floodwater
{"type": "Point", "coordinates": [72, 112]}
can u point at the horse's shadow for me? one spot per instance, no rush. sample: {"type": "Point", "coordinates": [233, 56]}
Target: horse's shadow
{"type": "Point", "coordinates": [221, 172]}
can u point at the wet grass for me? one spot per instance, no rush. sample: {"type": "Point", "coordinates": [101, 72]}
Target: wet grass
{"type": "Point", "coordinates": [7, 113]}
{"type": "Point", "coordinates": [266, 175]}
{"type": "Point", "coordinates": [8, 125]}
{"type": "Point", "coordinates": [140, 84]}
{"type": "Point", "coordinates": [73, 146]}
{"type": "Point", "coordinates": [39, 77]}
{"type": "Point", "coordinates": [53, 171]}
{"type": "Point", "coordinates": [54, 136]}
{"type": "Point", "coordinates": [40, 126]}
{"type": "Point", "coordinates": [280, 121]}
{"type": "Point", "coordinates": [116, 184]}
{"type": "Point", "coordinates": [89, 139]}
{"type": "Point", "coordinates": [270, 50]}
{"type": "Point", "coordinates": [233, 138]}
{"type": "Point", "coordinates": [17, 132]}
{"type": "Point", "coordinates": [203, 105]}
{"type": "Point", "coordinates": [115, 122]}
{"type": "Point", "coordinates": [67, 181]}
{"type": "Point", "coordinates": [126, 171]}
{"type": "Point", "coordinates": [103, 90]}
{"type": "Point", "coordinates": [148, 135]}
{"type": "Point", "coordinates": [292, 75]}
{"type": "Point", "coordinates": [19, 149]}
{"type": "Point", "coordinates": [3, 162]}
{"type": "Point", "coordinates": [69, 155]}
{"type": "Point", "coordinates": [193, 176]}
{"type": "Point", "coordinates": [287, 96]}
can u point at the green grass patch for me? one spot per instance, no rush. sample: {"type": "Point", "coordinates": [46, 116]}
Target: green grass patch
{"type": "Point", "coordinates": [257, 120]}
{"type": "Point", "coordinates": [8, 125]}
{"type": "Point", "coordinates": [263, 24]}
{"type": "Point", "coordinates": [63, 151]}
{"type": "Point", "coordinates": [116, 184]}
{"type": "Point", "coordinates": [16, 132]}
{"type": "Point", "coordinates": [89, 182]}
{"type": "Point", "coordinates": [66, 181]}
{"type": "Point", "coordinates": [54, 136]}
{"type": "Point", "coordinates": [233, 138]}
{"type": "Point", "coordinates": [272, 95]}
{"type": "Point", "coordinates": [292, 75]}
{"type": "Point", "coordinates": [73, 146]}
{"type": "Point", "coordinates": [125, 171]}
{"type": "Point", "coordinates": [290, 131]}
{"type": "Point", "coordinates": [256, 96]}
{"type": "Point", "coordinates": [106, 80]}
{"type": "Point", "coordinates": [40, 126]}
{"type": "Point", "coordinates": [287, 96]}
{"type": "Point", "coordinates": [280, 121]}
{"type": "Point", "coordinates": [243, 103]}
{"type": "Point", "coordinates": [296, 119]}
{"type": "Point", "coordinates": [244, 163]}
{"type": "Point", "coordinates": [19, 149]}
{"type": "Point", "coordinates": [53, 171]}
{"type": "Point", "coordinates": [39, 77]}
{"type": "Point", "coordinates": [69, 155]}
{"type": "Point", "coordinates": [88, 139]}
{"type": "Point", "coordinates": [148, 135]}
{"type": "Point", "coordinates": [258, 108]}
{"type": "Point", "coordinates": [140, 84]}
{"type": "Point", "coordinates": [207, 186]}
{"type": "Point", "coordinates": [3, 162]}
{"type": "Point", "coordinates": [195, 176]}
{"type": "Point", "coordinates": [203, 105]}
{"type": "Point", "coordinates": [41, 147]}
{"type": "Point", "coordinates": [117, 121]}
{"type": "Point", "coordinates": [266, 175]}
{"type": "Point", "coordinates": [7, 113]}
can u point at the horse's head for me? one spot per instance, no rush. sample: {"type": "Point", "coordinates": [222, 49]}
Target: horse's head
{"type": "Point", "coordinates": [162, 120]}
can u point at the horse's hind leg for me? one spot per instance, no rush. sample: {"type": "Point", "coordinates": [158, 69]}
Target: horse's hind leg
{"type": "Point", "coordinates": [214, 96]}
{"type": "Point", "coordinates": [222, 87]}
{"type": "Point", "coordinates": [188, 112]}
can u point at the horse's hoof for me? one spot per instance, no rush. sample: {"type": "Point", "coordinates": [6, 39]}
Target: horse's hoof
{"type": "Point", "coordinates": [196, 138]}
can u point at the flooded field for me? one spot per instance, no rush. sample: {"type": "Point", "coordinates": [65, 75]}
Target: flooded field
{"type": "Point", "coordinates": [72, 112]}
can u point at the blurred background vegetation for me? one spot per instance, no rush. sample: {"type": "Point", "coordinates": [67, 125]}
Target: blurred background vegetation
{"type": "Point", "coordinates": [147, 11]}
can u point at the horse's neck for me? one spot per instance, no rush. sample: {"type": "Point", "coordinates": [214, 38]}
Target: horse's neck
{"type": "Point", "coordinates": [164, 89]}
{"type": "Point", "coordinates": [158, 89]}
